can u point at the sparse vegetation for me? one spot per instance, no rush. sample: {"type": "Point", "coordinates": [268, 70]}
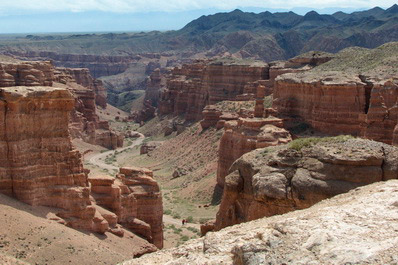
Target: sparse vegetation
{"type": "Point", "coordinates": [300, 143]}
{"type": "Point", "coordinates": [268, 101]}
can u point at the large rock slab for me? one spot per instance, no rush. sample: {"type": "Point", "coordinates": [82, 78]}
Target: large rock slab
{"type": "Point", "coordinates": [358, 227]}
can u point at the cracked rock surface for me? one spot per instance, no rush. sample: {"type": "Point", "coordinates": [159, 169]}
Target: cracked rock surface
{"type": "Point", "coordinates": [359, 227]}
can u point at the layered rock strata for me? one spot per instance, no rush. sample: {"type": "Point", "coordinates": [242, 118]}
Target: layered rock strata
{"type": "Point", "coordinates": [26, 74]}
{"type": "Point", "coordinates": [192, 87]}
{"type": "Point", "coordinates": [340, 103]}
{"type": "Point", "coordinates": [38, 164]}
{"type": "Point", "coordinates": [83, 77]}
{"type": "Point", "coordinates": [85, 123]}
{"type": "Point", "coordinates": [87, 91]}
{"type": "Point", "coordinates": [99, 65]}
{"type": "Point", "coordinates": [352, 228]}
{"type": "Point", "coordinates": [245, 135]}
{"type": "Point", "coordinates": [135, 199]}
{"type": "Point", "coordinates": [277, 180]}
{"type": "Point", "coordinates": [154, 85]}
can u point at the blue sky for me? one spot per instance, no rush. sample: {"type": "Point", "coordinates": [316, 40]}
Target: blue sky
{"type": "Point", "coordinates": [32, 16]}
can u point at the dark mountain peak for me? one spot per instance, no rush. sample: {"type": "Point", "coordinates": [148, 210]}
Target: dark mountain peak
{"type": "Point", "coordinates": [266, 14]}
{"type": "Point", "coordinates": [237, 11]}
{"type": "Point", "coordinates": [312, 15]}
{"type": "Point", "coordinates": [376, 8]}
{"type": "Point", "coordinates": [393, 9]}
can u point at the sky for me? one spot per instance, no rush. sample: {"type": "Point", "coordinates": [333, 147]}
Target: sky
{"type": "Point", "coordinates": [35, 16]}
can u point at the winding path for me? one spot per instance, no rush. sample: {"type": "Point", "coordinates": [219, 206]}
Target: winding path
{"type": "Point", "coordinates": [99, 159]}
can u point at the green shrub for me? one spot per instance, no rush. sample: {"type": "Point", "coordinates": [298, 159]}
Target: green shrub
{"type": "Point", "coordinates": [300, 143]}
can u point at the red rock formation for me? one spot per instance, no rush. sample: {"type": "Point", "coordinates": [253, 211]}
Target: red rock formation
{"type": "Point", "coordinates": [26, 74]}
{"type": "Point", "coordinates": [38, 164]}
{"type": "Point", "coordinates": [135, 198]}
{"type": "Point", "coordinates": [147, 112]}
{"type": "Point", "coordinates": [83, 77]}
{"type": "Point", "coordinates": [192, 87]}
{"type": "Point", "coordinates": [381, 119]}
{"type": "Point", "coordinates": [155, 83]}
{"type": "Point", "coordinates": [343, 104]}
{"type": "Point", "coordinates": [99, 65]}
{"type": "Point", "coordinates": [85, 123]}
{"type": "Point", "coordinates": [332, 107]}
{"type": "Point", "coordinates": [245, 135]}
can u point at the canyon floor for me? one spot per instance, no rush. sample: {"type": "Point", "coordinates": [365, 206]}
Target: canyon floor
{"type": "Point", "coordinates": [190, 196]}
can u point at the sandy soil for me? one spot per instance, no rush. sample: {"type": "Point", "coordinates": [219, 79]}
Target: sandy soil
{"type": "Point", "coordinates": [27, 235]}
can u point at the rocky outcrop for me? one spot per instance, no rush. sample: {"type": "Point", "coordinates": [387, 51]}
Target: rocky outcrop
{"type": "Point", "coordinates": [38, 164]}
{"type": "Point", "coordinates": [26, 74]}
{"type": "Point", "coordinates": [134, 199]}
{"type": "Point", "coordinates": [340, 103]}
{"type": "Point", "coordinates": [245, 135]}
{"type": "Point", "coordinates": [154, 85]}
{"type": "Point", "coordinates": [88, 93]}
{"type": "Point", "coordinates": [277, 180]}
{"type": "Point", "coordinates": [148, 147]}
{"type": "Point", "coordinates": [352, 228]}
{"type": "Point", "coordinates": [83, 77]}
{"type": "Point", "coordinates": [99, 65]}
{"type": "Point", "coordinates": [85, 123]}
{"type": "Point", "coordinates": [192, 87]}
{"type": "Point", "coordinates": [146, 113]}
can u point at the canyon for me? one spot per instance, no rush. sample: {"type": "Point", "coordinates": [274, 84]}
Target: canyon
{"type": "Point", "coordinates": [40, 167]}
{"type": "Point", "coordinates": [275, 152]}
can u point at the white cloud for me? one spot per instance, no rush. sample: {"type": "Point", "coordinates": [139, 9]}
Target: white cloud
{"type": "Point", "coordinates": [15, 6]}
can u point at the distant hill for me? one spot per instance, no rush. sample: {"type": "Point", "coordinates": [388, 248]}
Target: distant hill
{"type": "Point", "coordinates": [267, 36]}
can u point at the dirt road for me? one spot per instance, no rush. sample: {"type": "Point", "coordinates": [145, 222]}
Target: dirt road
{"type": "Point", "coordinates": [99, 159]}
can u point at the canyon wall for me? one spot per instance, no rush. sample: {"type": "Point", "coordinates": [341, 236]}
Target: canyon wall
{"type": "Point", "coordinates": [85, 123]}
{"type": "Point", "coordinates": [99, 65]}
{"type": "Point", "coordinates": [192, 87]}
{"type": "Point", "coordinates": [26, 74]}
{"type": "Point", "coordinates": [38, 164]}
{"type": "Point", "coordinates": [276, 180]}
{"type": "Point", "coordinates": [245, 135]}
{"type": "Point", "coordinates": [339, 103]}
{"type": "Point", "coordinates": [87, 91]}
{"type": "Point", "coordinates": [82, 76]}
{"type": "Point", "coordinates": [135, 198]}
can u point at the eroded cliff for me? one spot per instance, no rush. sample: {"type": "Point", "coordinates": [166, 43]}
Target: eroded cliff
{"type": "Point", "coordinates": [355, 93]}
{"type": "Point", "coordinates": [134, 197]}
{"type": "Point", "coordinates": [192, 87]}
{"type": "Point", "coordinates": [39, 166]}
{"type": "Point", "coordinates": [277, 180]}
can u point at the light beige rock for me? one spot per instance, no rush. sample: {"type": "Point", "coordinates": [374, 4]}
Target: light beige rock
{"type": "Point", "coordinates": [355, 228]}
